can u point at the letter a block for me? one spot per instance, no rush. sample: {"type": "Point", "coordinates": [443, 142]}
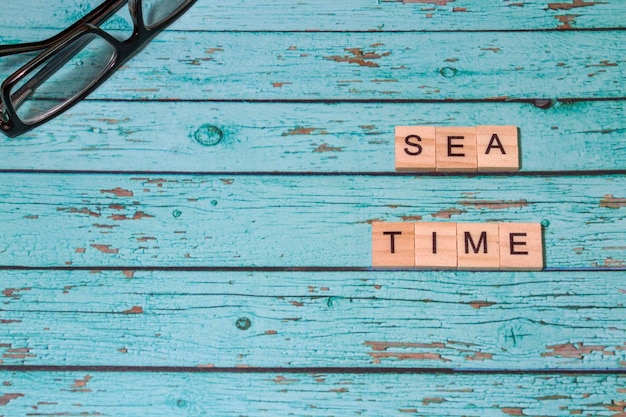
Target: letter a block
{"type": "Point", "coordinates": [521, 246]}
{"type": "Point", "coordinates": [435, 245]}
{"type": "Point", "coordinates": [456, 149]}
{"type": "Point", "coordinates": [415, 148]}
{"type": "Point", "coordinates": [477, 244]}
{"type": "Point", "coordinates": [498, 148]}
{"type": "Point", "coordinates": [393, 245]}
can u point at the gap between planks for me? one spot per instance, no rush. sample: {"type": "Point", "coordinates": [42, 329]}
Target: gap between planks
{"type": "Point", "coordinates": [308, 370]}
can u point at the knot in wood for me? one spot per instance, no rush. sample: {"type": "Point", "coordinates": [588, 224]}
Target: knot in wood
{"type": "Point", "coordinates": [208, 135]}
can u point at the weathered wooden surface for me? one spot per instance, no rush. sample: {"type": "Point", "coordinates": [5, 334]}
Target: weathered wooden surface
{"type": "Point", "coordinates": [453, 320]}
{"type": "Point", "coordinates": [303, 137]}
{"type": "Point", "coordinates": [313, 394]}
{"type": "Point", "coordinates": [289, 221]}
{"type": "Point", "coordinates": [350, 15]}
{"type": "Point", "coordinates": [364, 66]}
{"type": "Point", "coordinates": [208, 209]}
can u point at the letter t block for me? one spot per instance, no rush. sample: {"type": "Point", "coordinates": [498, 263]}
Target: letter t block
{"type": "Point", "coordinates": [393, 245]}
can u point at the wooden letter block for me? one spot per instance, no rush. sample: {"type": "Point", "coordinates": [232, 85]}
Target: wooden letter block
{"type": "Point", "coordinates": [456, 149]}
{"type": "Point", "coordinates": [393, 245]}
{"type": "Point", "coordinates": [498, 148]}
{"type": "Point", "coordinates": [435, 245]}
{"type": "Point", "coordinates": [521, 246]}
{"type": "Point", "coordinates": [478, 247]}
{"type": "Point", "coordinates": [415, 148]}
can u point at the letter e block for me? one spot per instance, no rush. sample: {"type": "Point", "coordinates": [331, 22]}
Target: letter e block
{"type": "Point", "coordinates": [477, 245]}
{"type": "Point", "coordinates": [456, 149]}
{"type": "Point", "coordinates": [498, 148]}
{"type": "Point", "coordinates": [521, 246]}
{"type": "Point", "coordinates": [393, 245]}
{"type": "Point", "coordinates": [415, 148]}
{"type": "Point", "coordinates": [435, 245]}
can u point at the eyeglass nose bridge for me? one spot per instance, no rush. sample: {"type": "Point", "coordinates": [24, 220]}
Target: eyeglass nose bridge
{"type": "Point", "coordinates": [136, 14]}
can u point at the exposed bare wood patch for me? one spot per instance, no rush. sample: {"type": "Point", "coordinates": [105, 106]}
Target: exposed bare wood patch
{"type": "Point", "coordinates": [574, 350]}
{"type": "Point", "coordinates": [280, 84]}
{"type": "Point", "coordinates": [433, 400]}
{"type": "Point", "coordinates": [609, 201]}
{"type": "Point", "coordinates": [412, 218]}
{"type": "Point", "coordinates": [324, 147]}
{"type": "Point", "coordinates": [137, 216]}
{"type": "Point", "coordinates": [359, 57]}
{"type": "Point", "coordinates": [513, 411]}
{"type": "Point", "coordinates": [479, 356]}
{"type": "Point", "coordinates": [566, 20]}
{"type": "Point", "coordinates": [435, 2]}
{"type": "Point", "coordinates": [447, 213]}
{"type": "Point", "coordinates": [134, 310]}
{"type": "Point", "coordinates": [574, 4]}
{"type": "Point", "coordinates": [18, 353]}
{"type": "Point", "coordinates": [6, 398]}
{"type": "Point", "coordinates": [305, 131]}
{"type": "Point", "coordinates": [407, 356]}
{"type": "Point", "coordinates": [480, 304]}
{"type": "Point", "coordinates": [495, 204]}
{"type": "Point", "coordinates": [80, 385]}
{"type": "Point", "coordinates": [14, 292]}
{"type": "Point", "coordinates": [105, 248]}
{"type": "Point", "coordinates": [284, 381]}
{"type": "Point", "coordinates": [118, 192]}
{"type": "Point", "coordinates": [83, 210]}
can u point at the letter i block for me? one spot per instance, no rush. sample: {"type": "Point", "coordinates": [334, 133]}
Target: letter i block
{"type": "Point", "coordinates": [478, 247]}
{"type": "Point", "coordinates": [393, 245]}
{"type": "Point", "coordinates": [498, 148]}
{"type": "Point", "coordinates": [521, 246]}
{"type": "Point", "coordinates": [456, 149]}
{"type": "Point", "coordinates": [415, 148]}
{"type": "Point", "coordinates": [435, 245]}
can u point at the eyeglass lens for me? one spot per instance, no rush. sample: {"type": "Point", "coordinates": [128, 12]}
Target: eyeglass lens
{"type": "Point", "coordinates": [156, 12]}
{"type": "Point", "coordinates": [57, 81]}
{"type": "Point", "coordinates": [60, 78]}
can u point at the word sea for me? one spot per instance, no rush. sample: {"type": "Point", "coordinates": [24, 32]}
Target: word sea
{"type": "Point", "coordinates": [464, 246]}
{"type": "Point", "coordinates": [456, 149]}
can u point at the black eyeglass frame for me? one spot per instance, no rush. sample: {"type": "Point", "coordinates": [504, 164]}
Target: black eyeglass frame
{"type": "Point", "coordinates": [11, 124]}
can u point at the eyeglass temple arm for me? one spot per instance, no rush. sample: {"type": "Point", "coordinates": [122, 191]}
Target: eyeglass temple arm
{"type": "Point", "coordinates": [95, 17]}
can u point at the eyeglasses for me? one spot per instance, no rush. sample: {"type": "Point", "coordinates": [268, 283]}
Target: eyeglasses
{"type": "Point", "coordinates": [75, 62]}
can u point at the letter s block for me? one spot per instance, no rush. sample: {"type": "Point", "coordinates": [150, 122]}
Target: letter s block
{"type": "Point", "coordinates": [415, 148]}
{"type": "Point", "coordinates": [393, 245]}
{"type": "Point", "coordinates": [521, 246]}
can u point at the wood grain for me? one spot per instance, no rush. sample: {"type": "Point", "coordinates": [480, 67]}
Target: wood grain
{"type": "Point", "coordinates": [210, 206]}
{"type": "Point", "coordinates": [288, 221]}
{"type": "Point", "coordinates": [350, 15]}
{"type": "Point", "coordinates": [436, 320]}
{"type": "Point", "coordinates": [309, 394]}
{"type": "Point", "coordinates": [365, 66]}
{"type": "Point", "coordinates": [303, 137]}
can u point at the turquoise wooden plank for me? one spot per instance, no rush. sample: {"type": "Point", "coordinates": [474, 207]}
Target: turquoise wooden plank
{"type": "Point", "coordinates": [309, 394]}
{"type": "Point", "coordinates": [302, 137]}
{"type": "Point", "coordinates": [515, 321]}
{"type": "Point", "coordinates": [289, 221]}
{"type": "Point", "coordinates": [353, 15]}
{"type": "Point", "coordinates": [366, 66]}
